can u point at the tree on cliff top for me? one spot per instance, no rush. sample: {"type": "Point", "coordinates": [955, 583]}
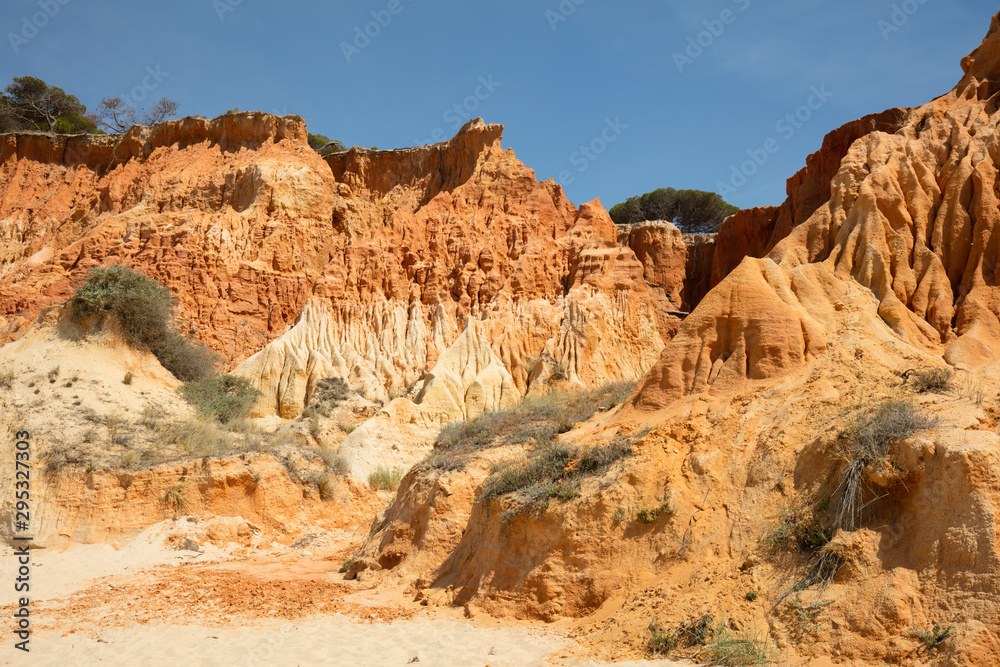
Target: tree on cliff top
{"type": "Point", "coordinates": [116, 115]}
{"type": "Point", "coordinates": [325, 145]}
{"type": "Point", "coordinates": [29, 103]}
{"type": "Point", "coordinates": [693, 211]}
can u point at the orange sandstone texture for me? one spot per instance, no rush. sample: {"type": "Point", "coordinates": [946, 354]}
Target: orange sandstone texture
{"type": "Point", "coordinates": [246, 224]}
{"type": "Point", "coordinates": [885, 260]}
{"type": "Point", "coordinates": [910, 213]}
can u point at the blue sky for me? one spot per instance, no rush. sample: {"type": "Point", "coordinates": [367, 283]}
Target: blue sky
{"type": "Point", "coordinates": [561, 75]}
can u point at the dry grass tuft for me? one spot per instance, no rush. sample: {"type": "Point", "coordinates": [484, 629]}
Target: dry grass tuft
{"type": "Point", "coordinates": [385, 478]}
{"type": "Point", "coordinates": [865, 442]}
{"type": "Point", "coordinates": [929, 380]}
{"type": "Point", "coordinates": [327, 487]}
{"type": "Point", "coordinates": [176, 498]}
{"type": "Point", "coordinates": [333, 461]}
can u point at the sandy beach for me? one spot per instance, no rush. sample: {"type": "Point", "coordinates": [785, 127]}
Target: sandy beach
{"type": "Point", "coordinates": [161, 599]}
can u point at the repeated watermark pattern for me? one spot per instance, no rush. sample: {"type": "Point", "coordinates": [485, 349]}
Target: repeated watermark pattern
{"type": "Point", "coordinates": [461, 112]}
{"type": "Point", "coordinates": [714, 28]}
{"type": "Point", "coordinates": [562, 12]}
{"type": "Point", "coordinates": [787, 127]}
{"type": "Point", "coordinates": [589, 152]}
{"type": "Point", "coordinates": [30, 25]}
{"type": "Point", "coordinates": [900, 16]}
{"type": "Point", "coordinates": [363, 35]}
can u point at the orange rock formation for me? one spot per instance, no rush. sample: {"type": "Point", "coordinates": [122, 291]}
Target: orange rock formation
{"type": "Point", "coordinates": [245, 224]}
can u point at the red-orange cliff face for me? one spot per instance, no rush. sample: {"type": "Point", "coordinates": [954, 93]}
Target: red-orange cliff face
{"type": "Point", "coordinates": [884, 258]}
{"type": "Point", "coordinates": [901, 204]}
{"type": "Point", "coordinates": [753, 232]}
{"type": "Point", "coordinates": [245, 224]}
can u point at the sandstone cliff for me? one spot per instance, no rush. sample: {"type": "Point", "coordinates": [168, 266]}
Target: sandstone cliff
{"type": "Point", "coordinates": [394, 250]}
{"type": "Point", "coordinates": [883, 259]}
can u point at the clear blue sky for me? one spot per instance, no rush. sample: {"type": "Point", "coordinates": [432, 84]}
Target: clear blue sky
{"type": "Point", "coordinates": [560, 81]}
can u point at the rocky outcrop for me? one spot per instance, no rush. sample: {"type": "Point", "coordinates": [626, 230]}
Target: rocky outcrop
{"type": "Point", "coordinates": [394, 251]}
{"type": "Point", "coordinates": [885, 260]}
{"type": "Point", "coordinates": [232, 214]}
{"type": "Point", "coordinates": [660, 246]}
{"type": "Point", "coordinates": [911, 215]}
{"type": "Point", "coordinates": [754, 232]}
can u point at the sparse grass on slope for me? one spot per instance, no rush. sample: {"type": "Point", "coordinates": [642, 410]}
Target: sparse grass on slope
{"type": "Point", "coordinates": [550, 470]}
{"type": "Point", "coordinates": [536, 419]}
{"type": "Point", "coordinates": [865, 441]}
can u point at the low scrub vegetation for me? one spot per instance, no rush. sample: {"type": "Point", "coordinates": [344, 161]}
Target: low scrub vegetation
{"type": "Point", "coordinates": [865, 442]}
{"type": "Point", "coordinates": [555, 470]}
{"type": "Point", "coordinates": [797, 527]}
{"type": "Point", "coordinates": [327, 487]}
{"type": "Point", "coordinates": [333, 461]}
{"type": "Point", "coordinates": [745, 647]}
{"type": "Point", "coordinates": [197, 437]}
{"type": "Point", "coordinates": [805, 615]}
{"type": "Point", "coordinates": [385, 479]}
{"type": "Point", "coordinates": [227, 398]}
{"type": "Point", "coordinates": [330, 392]}
{"type": "Point", "coordinates": [653, 514]}
{"type": "Point", "coordinates": [929, 380]}
{"type": "Point", "coordinates": [143, 312]}
{"type": "Point", "coordinates": [933, 638]}
{"type": "Point", "coordinates": [713, 640]}
{"type": "Point", "coordinates": [536, 419]}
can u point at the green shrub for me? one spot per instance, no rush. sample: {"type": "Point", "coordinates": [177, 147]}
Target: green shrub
{"type": "Point", "coordinates": [386, 478]}
{"type": "Point", "coordinates": [695, 631]}
{"type": "Point", "coordinates": [140, 305]}
{"type": "Point", "coordinates": [186, 358]}
{"type": "Point", "coordinates": [555, 470]}
{"type": "Point", "coordinates": [7, 379]}
{"type": "Point", "coordinates": [324, 145]}
{"type": "Point", "coordinates": [932, 638]}
{"type": "Point", "coordinates": [228, 398]}
{"type": "Point", "coordinates": [653, 514]}
{"type": "Point", "coordinates": [660, 641]}
{"type": "Point", "coordinates": [536, 419]}
{"type": "Point", "coordinates": [142, 310]}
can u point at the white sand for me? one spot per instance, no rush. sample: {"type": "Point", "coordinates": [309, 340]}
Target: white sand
{"type": "Point", "coordinates": [319, 641]}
